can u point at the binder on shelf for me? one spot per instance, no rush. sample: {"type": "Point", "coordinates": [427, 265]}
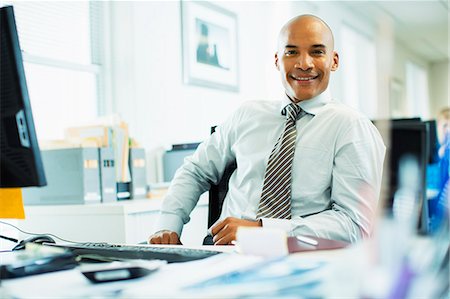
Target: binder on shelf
{"type": "Point", "coordinates": [123, 190]}
{"type": "Point", "coordinates": [73, 177]}
{"type": "Point", "coordinates": [137, 164]}
{"type": "Point", "coordinates": [107, 174]}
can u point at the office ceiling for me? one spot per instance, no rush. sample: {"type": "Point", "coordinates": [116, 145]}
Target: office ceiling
{"type": "Point", "coordinates": [422, 26]}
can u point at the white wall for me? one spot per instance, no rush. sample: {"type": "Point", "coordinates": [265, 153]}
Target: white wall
{"type": "Point", "coordinates": [439, 86]}
{"type": "Point", "coordinates": [147, 72]}
{"type": "Point", "coordinates": [147, 85]}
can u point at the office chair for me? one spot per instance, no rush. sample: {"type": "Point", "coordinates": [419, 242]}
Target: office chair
{"type": "Point", "coordinates": [217, 195]}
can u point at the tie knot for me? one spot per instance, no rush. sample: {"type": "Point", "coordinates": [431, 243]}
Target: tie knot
{"type": "Point", "coordinates": [292, 111]}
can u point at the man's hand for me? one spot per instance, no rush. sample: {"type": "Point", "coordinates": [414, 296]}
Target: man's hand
{"type": "Point", "coordinates": [164, 237]}
{"type": "Point", "coordinates": [224, 232]}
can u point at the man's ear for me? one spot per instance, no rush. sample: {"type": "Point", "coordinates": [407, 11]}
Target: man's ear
{"type": "Point", "coordinates": [335, 64]}
{"type": "Point", "coordinates": [276, 61]}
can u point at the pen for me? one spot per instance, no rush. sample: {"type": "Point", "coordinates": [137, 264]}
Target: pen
{"type": "Point", "coordinates": [307, 240]}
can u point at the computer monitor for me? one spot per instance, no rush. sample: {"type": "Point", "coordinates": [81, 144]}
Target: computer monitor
{"type": "Point", "coordinates": [409, 138]}
{"type": "Point", "coordinates": [433, 152]}
{"type": "Point", "coordinates": [433, 142]}
{"type": "Point", "coordinates": [20, 158]}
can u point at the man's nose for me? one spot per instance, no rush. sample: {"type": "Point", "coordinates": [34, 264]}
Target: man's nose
{"type": "Point", "coordinates": [304, 62]}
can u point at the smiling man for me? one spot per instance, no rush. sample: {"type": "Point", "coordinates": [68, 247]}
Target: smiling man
{"type": "Point", "coordinates": [305, 57]}
{"type": "Point", "coordinates": [306, 164]}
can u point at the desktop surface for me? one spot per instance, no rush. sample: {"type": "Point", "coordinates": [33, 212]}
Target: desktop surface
{"type": "Point", "coordinates": [219, 276]}
{"type": "Point", "coordinates": [345, 273]}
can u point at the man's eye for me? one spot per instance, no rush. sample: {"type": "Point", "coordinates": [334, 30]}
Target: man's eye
{"type": "Point", "coordinates": [318, 52]}
{"type": "Point", "coordinates": [290, 52]}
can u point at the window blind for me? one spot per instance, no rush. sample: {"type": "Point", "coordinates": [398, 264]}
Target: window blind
{"type": "Point", "coordinates": [63, 50]}
{"type": "Point", "coordinates": [59, 30]}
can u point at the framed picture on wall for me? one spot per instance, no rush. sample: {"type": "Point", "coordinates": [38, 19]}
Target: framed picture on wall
{"type": "Point", "coordinates": [209, 46]}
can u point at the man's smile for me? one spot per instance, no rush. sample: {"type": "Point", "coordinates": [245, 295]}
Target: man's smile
{"type": "Point", "coordinates": [303, 78]}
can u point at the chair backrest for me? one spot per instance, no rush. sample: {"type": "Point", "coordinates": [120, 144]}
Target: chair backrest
{"type": "Point", "coordinates": [218, 192]}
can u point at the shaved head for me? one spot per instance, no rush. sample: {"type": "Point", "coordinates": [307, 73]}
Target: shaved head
{"type": "Point", "coordinates": [305, 20]}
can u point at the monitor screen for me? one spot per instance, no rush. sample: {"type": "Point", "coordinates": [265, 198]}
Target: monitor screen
{"type": "Point", "coordinates": [20, 158]}
{"type": "Point", "coordinates": [409, 138]}
{"type": "Point", "coordinates": [433, 155]}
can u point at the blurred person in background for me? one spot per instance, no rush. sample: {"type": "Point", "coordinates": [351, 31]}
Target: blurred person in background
{"type": "Point", "coordinates": [443, 127]}
{"type": "Point", "coordinates": [439, 204]}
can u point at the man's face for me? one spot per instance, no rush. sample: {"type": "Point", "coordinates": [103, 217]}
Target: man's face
{"type": "Point", "coordinates": [305, 58]}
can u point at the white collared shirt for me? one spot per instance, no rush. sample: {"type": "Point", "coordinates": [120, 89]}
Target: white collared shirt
{"type": "Point", "coordinates": [336, 173]}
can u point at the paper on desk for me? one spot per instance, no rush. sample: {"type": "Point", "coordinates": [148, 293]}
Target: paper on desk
{"type": "Point", "coordinates": [262, 241]}
{"type": "Point", "coordinates": [61, 284]}
{"type": "Point", "coordinates": [291, 277]}
{"type": "Point", "coordinates": [73, 284]}
{"type": "Point", "coordinates": [173, 279]}
{"type": "Point", "coordinates": [170, 279]}
{"type": "Point", "coordinates": [220, 276]}
{"type": "Point", "coordinates": [233, 276]}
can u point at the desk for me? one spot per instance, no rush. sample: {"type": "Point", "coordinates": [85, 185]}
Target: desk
{"type": "Point", "coordinates": [128, 221]}
{"type": "Point", "coordinates": [342, 273]}
{"type": "Point", "coordinates": [177, 280]}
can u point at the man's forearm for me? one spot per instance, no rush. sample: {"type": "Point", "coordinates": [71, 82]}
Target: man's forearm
{"type": "Point", "coordinates": [329, 224]}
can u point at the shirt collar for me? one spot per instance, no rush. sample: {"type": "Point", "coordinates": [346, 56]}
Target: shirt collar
{"type": "Point", "coordinates": [311, 106]}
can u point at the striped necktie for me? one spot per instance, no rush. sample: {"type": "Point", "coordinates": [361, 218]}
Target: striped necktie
{"type": "Point", "coordinates": [276, 193]}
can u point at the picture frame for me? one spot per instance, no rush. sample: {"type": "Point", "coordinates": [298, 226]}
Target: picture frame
{"type": "Point", "coordinates": [209, 42]}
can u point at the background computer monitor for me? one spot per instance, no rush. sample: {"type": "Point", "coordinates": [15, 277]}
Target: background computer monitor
{"type": "Point", "coordinates": [20, 158]}
{"type": "Point", "coordinates": [409, 138]}
{"type": "Point", "coordinates": [433, 142]}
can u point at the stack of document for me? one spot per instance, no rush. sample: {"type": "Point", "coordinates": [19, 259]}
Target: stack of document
{"type": "Point", "coordinates": [111, 133]}
{"type": "Point", "coordinates": [236, 276]}
{"type": "Point", "coordinates": [227, 275]}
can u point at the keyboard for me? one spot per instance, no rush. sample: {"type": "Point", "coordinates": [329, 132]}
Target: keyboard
{"type": "Point", "coordinates": [109, 252]}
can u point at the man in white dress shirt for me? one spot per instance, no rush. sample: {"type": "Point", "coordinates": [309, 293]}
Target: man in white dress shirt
{"type": "Point", "coordinates": [337, 163]}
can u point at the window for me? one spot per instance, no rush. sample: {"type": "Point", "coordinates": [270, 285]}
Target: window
{"type": "Point", "coordinates": [62, 52]}
{"type": "Point", "coordinates": [358, 63]}
{"type": "Point", "coordinates": [417, 98]}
